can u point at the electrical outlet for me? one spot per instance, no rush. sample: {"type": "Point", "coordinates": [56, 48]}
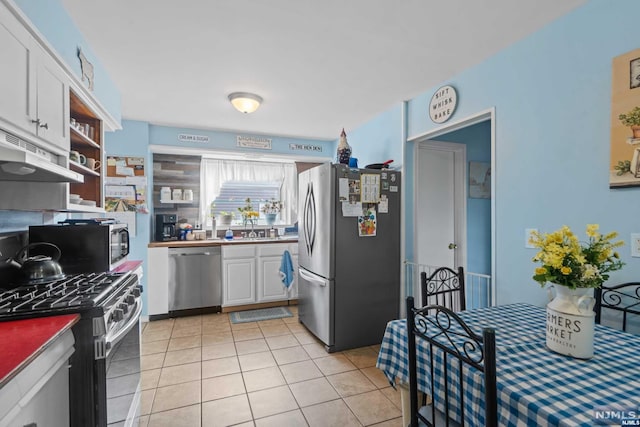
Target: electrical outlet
{"type": "Point", "coordinates": [635, 245]}
{"type": "Point", "coordinates": [527, 235]}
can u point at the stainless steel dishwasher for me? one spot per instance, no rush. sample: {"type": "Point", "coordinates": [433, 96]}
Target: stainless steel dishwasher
{"type": "Point", "coordinates": [195, 279]}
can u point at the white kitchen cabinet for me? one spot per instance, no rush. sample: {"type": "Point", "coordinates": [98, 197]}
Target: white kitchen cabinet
{"type": "Point", "coordinates": [35, 90]}
{"type": "Point", "coordinates": [52, 102]}
{"type": "Point", "coordinates": [16, 74]}
{"type": "Point", "coordinates": [238, 281]}
{"type": "Point", "coordinates": [157, 291]}
{"type": "Point", "coordinates": [251, 273]}
{"type": "Point", "coordinates": [270, 287]}
{"type": "Point", "coordinates": [238, 274]}
{"type": "Point", "coordinates": [39, 394]}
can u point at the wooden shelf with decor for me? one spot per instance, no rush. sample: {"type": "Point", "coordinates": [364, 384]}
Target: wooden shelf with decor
{"type": "Point", "coordinates": [86, 139]}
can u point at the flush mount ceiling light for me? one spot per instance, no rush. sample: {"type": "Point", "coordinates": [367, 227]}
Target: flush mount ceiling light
{"type": "Point", "coordinates": [245, 102]}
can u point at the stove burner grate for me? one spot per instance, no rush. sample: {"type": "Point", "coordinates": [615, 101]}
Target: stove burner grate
{"type": "Point", "coordinates": [79, 291]}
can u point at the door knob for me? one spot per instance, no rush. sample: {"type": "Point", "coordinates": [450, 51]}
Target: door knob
{"type": "Point", "coordinates": [453, 246]}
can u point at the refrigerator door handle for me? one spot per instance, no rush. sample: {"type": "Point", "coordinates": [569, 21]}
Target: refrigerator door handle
{"type": "Point", "coordinates": [312, 278]}
{"type": "Point", "coordinates": [310, 219]}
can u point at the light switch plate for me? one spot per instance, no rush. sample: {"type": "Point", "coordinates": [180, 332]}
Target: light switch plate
{"type": "Point", "coordinates": [527, 236]}
{"type": "Point", "coordinates": [635, 245]}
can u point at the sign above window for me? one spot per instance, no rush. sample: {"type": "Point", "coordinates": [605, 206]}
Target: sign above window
{"type": "Point", "coordinates": [306, 147]}
{"type": "Point", "coordinates": [443, 104]}
{"type": "Point", "coordinates": [183, 137]}
{"type": "Point", "coordinates": [253, 142]}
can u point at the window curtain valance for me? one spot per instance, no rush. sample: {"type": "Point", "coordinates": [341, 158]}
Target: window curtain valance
{"type": "Point", "coordinates": [215, 172]}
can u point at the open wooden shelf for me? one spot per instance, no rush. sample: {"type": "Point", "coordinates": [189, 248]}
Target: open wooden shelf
{"type": "Point", "coordinates": [78, 138]}
{"type": "Point", "coordinates": [92, 188]}
{"type": "Point", "coordinates": [82, 169]}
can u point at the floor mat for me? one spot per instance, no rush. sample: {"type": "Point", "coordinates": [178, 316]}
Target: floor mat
{"type": "Point", "coordinates": [260, 314]}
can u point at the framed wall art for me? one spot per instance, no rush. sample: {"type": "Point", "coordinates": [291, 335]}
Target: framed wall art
{"type": "Point", "coordinates": [624, 165]}
{"type": "Point", "coordinates": [479, 180]}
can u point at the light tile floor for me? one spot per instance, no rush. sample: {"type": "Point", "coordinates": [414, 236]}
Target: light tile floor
{"type": "Point", "coordinates": [205, 371]}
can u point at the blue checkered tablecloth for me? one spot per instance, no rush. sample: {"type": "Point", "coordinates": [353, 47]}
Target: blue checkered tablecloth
{"type": "Point", "coordinates": [535, 385]}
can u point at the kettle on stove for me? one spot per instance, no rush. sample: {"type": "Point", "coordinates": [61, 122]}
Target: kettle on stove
{"type": "Point", "coordinates": [38, 269]}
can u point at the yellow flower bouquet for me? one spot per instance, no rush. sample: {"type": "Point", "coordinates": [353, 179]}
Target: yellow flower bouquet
{"type": "Point", "coordinates": [248, 214]}
{"type": "Point", "coordinates": [568, 262]}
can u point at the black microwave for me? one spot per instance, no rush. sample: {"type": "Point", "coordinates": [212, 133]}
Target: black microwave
{"type": "Point", "coordinates": [85, 248]}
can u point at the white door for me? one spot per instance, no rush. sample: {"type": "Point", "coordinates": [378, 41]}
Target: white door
{"type": "Point", "coordinates": [440, 219]}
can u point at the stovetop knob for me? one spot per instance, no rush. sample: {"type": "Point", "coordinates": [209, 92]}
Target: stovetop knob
{"type": "Point", "coordinates": [130, 299]}
{"type": "Point", "coordinates": [136, 292]}
{"type": "Point", "coordinates": [118, 315]}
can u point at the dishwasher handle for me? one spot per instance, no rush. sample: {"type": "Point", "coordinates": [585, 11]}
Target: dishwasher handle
{"type": "Point", "coordinates": [196, 254]}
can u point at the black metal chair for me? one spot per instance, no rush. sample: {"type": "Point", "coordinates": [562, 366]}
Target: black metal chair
{"type": "Point", "coordinates": [624, 298]}
{"type": "Point", "coordinates": [437, 330]}
{"type": "Point", "coordinates": [443, 287]}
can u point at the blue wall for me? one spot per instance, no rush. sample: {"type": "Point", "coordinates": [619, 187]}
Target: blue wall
{"type": "Point", "coordinates": [477, 138]}
{"type": "Point", "coordinates": [133, 140]}
{"type": "Point", "coordinates": [552, 94]}
{"type": "Point", "coordinates": [379, 140]}
{"type": "Point", "coordinates": [55, 24]}
{"type": "Point", "coordinates": [12, 221]}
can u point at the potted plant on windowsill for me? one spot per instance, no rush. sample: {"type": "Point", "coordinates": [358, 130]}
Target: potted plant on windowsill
{"type": "Point", "coordinates": [249, 216]}
{"type": "Point", "coordinates": [632, 119]}
{"type": "Point", "coordinates": [225, 218]}
{"type": "Point", "coordinates": [271, 209]}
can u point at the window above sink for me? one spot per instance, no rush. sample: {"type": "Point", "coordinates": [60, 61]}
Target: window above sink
{"type": "Point", "coordinates": [228, 183]}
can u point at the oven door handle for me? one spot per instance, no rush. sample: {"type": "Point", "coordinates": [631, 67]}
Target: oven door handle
{"type": "Point", "coordinates": [112, 340]}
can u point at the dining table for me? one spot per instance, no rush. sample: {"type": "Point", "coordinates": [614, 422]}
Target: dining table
{"type": "Point", "coordinates": [535, 385]}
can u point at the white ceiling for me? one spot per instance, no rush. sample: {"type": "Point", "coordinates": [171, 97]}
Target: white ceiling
{"type": "Point", "coordinates": [319, 65]}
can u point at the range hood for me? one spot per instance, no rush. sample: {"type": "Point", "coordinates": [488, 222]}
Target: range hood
{"type": "Point", "coordinates": [23, 161]}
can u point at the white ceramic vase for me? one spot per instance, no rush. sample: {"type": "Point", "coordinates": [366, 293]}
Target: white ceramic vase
{"type": "Point", "coordinates": [225, 220]}
{"type": "Point", "coordinates": [270, 218]}
{"type": "Point", "coordinates": [571, 321]}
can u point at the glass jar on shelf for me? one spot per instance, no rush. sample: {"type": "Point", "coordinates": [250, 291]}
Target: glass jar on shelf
{"type": "Point", "coordinates": [165, 194]}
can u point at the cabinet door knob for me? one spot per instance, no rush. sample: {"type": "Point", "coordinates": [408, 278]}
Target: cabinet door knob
{"type": "Point", "coordinates": [36, 121]}
{"type": "Point", "coordinates": [46, 126]}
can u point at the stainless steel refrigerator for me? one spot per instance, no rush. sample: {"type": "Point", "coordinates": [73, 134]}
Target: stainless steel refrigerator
{"type": "Point", "coordinates": [349, 253]}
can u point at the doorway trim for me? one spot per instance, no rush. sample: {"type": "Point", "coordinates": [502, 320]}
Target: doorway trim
{"type": "Point", "coordinates": [489, 114]}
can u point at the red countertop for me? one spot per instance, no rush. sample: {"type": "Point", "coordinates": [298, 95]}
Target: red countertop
{"type": "Point", "coordinates": [127, 266]}
{"type": "Point", "coordinates": [23, 340]}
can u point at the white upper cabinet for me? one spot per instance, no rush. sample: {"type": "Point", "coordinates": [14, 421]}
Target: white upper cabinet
{"type": "Point", "coordinates": [16, 73]}
{"type": "Point", "coordinates": [52, 105]}
{"type": "Point", "coordinates": [35, 89]}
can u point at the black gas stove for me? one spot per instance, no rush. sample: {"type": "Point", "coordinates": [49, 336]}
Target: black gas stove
{"type": "Point", "coordinates": [104, 375]}
{"type": "Point", "coordinates": [73, 294]}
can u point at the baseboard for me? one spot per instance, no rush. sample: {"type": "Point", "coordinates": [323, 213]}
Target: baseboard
{"type": "Point", "coordinates": [232, 308]}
